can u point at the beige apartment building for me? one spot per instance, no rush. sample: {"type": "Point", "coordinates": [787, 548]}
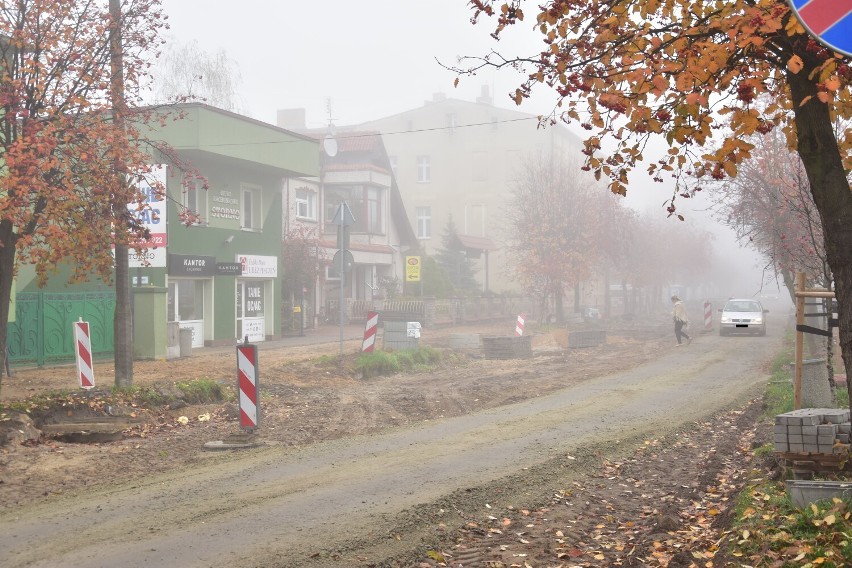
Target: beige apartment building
{"type": "Point", "coordinates": [460, 159]}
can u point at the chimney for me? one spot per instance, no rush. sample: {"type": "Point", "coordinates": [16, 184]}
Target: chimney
{"type": "Point", "coordinates": [291, 118]}
{"type": "Point", "coordinates": [485, 96]}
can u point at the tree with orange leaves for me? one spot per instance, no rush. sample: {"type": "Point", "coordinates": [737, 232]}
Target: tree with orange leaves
{"type": "Point", "coordinates": [68, 167]}
{"type": "Point", "coordinates": [692, 72]}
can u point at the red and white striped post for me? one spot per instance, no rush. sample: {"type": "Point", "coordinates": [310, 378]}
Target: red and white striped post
{"type": "Point", "coordinates": [519, 326]}
{"type": "Point", "coordinates": [247, 386]}
{"type": "Point", "coordinates": [370, 332]}
{"type": "Point", "coordinates": [708, 316]}
{"type": "Point", "coordinates": [83, 343]}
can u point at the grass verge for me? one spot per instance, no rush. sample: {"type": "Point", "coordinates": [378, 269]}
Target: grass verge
{"type": "Point", "coordinates": [388, 363]}
{"type": "Point", "coordinates": [769, 530]}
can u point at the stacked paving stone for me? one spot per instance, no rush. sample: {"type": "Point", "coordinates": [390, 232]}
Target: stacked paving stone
{"type": "Point", "coordinates": [812, 430]}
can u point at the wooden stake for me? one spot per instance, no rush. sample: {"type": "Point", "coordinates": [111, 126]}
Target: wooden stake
{"type": "Point", "coordinates": [800, 340]}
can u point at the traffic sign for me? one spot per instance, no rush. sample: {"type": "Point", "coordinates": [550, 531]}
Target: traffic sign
{"type": "Point", "coordinates": [412, 269]}
{"type": "Point", "coordinates": [830, 21]}
{"type": "Point", "coordinates": [82, 339]}
{"type": "Point", "coordinates": [343, 216]}
{"type": "Point", "coordinates": [346, 257]}
{"type": "Point", "coordinates": [247, 386]}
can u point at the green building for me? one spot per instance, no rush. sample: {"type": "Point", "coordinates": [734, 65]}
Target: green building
{"type": "Point", "coordinates": [221, 271]}
{"type": "Point", "coordinates": [217, 273]}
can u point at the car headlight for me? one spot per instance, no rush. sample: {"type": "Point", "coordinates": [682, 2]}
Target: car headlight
{"type": "Point", "coordinates": [726, 319]}
{"type": "Point", "coordinates": [758, 320]}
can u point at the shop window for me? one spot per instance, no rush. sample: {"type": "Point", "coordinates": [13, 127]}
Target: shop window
{"type": "Point", "coordinates": [186, 300]}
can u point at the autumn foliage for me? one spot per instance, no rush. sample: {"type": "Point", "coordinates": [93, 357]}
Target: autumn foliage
{"type": "Point", "coordinates": [705, 77]}
{"type": "Point", "coordinates": [69, 167]}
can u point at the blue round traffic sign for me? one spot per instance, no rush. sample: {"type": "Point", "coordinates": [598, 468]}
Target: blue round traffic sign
{"type": "Point", "coordinates": [829, 21]}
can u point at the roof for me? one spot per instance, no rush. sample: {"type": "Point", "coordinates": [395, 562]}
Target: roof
{"type": "Point", "coordinates": [477, 243]}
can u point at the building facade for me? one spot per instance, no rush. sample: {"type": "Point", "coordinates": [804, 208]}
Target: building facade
{"type": "Point", "coordinates": [355, 170]}
{"type": "Point", "coordinates": [221, 266]}
{"type": "Point", "coordinates": [459, 159]}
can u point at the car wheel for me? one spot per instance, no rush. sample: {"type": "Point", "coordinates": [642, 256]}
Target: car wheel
{"type": "Point", "coordinates": [722, 333]}
{"type": "Point", "coordinates": [762, 332]}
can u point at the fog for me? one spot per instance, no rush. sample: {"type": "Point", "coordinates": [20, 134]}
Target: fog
{"type": "Point", "coordinates": [349, 63]}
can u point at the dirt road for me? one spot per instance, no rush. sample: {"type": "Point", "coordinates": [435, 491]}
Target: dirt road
{"type": "Point", "coordinates": [373, 496]}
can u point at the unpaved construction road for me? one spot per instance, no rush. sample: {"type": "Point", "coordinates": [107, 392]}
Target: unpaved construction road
{"type": "Point", "coordinates": [361, 500]}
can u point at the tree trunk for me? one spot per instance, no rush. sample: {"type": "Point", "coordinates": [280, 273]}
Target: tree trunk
{"type": "Point", "coordinates": [557, 295]}
{"type": "Point", "coordinates": [7, 274]}
{"type": "Point", "coordinates": [123, 320]}
{"type": "Point", "coordinates": [817, 146]}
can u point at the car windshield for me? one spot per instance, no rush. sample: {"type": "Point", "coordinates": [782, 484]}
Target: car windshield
{"type": "Point", "coordinates": [742, 306]}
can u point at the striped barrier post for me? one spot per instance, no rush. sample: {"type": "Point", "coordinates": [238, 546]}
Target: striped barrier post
{"type": "Point", "coordinates": [247, 386]}
{"type": "Point", "coordinates": [519, 326]}
{"type": "Point", "coordinates": [83, 343]}
{"type": "Point", "coordinates": [708, 316]}
{"type": "Point", "coordinates": [370, 332]}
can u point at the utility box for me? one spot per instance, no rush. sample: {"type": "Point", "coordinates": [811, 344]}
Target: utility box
{"type": "Point", "coordinates": [173, 344]}
{"type": "Point", "coordinates": [150, 336]}
{"type": "Point", "coordinates": [396, 335]}
{"type": "Point", "coordinates": [185, 342]}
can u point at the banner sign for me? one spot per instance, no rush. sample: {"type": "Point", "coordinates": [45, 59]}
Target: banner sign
{"type": "Point", "coordinates": [153, 218]}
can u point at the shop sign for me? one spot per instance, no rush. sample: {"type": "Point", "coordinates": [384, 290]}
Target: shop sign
{"type": "Point", "coordinates": [229, 269]}
{"type": "Point", "coordinates": [253, 328]}
{"type": "Point", "coordinates": [225, 212]}
{"type": "Point", "coordinates": [254, 266]}
{"type": "Point", "coordinates": [191, 265]}
{"type": "Point", "coordinates": [150, 258]}
{"type": "Point", "coordinates": [254, 300]}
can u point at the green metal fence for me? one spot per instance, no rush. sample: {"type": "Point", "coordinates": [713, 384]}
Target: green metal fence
{"type": "Point", "coordinates": [42, 333]}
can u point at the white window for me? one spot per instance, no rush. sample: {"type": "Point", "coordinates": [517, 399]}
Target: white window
{"type": "Point", "coordinates": [306, 204]}
{"type": "Point", "coordinates": [250, 208]}
{"type": "Point", "coordinates": [474, 220]}
{"type": "Point", "coordinates": [424, 222]}
{"type": "Point", "coordinates": [195, 203]}
{"type": "Point", "coordinates": [374, 211]}
{"type": "Point", "coordinates": [424, 169]}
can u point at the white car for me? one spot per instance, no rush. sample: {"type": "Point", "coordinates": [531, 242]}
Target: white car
{"type": "Point", "coordinates": [743, 316]}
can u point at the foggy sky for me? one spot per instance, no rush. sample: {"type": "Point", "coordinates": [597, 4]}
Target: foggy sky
{"type": "Point", "coordinates": [374, 58]}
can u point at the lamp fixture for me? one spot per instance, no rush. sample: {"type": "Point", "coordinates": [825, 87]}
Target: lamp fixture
{"type": "Point", "coordinates": [229, 240]}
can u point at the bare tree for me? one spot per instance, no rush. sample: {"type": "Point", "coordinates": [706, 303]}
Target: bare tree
{"type": "Point", "coordinates": [188, 73]}
{"type": "Point", "coordinates": [553, 236]}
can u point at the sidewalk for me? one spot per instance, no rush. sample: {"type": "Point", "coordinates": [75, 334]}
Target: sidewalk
{"type": "Point", "coordinates": [314, 336]}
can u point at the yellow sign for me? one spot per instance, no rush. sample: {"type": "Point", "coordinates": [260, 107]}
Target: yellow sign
{"type": "Point", "coordinates": [297, 309]}
{"type": "Point", "coordinates": [412, 269]}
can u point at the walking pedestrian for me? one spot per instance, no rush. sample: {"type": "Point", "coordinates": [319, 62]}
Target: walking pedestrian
{"type": "Point", "coordinates": [681, 320]}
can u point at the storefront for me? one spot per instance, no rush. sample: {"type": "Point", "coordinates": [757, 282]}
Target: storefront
{"type": "Point", "coordinates": [190, 283]}
{"type": "Point", "coordinates": [254, 296]}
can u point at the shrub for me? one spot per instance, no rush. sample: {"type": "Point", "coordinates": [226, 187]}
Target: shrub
{"type": "Point", "coordinates": [377, 363]}
{"type": "Point", "coordinates": [201, 390]}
